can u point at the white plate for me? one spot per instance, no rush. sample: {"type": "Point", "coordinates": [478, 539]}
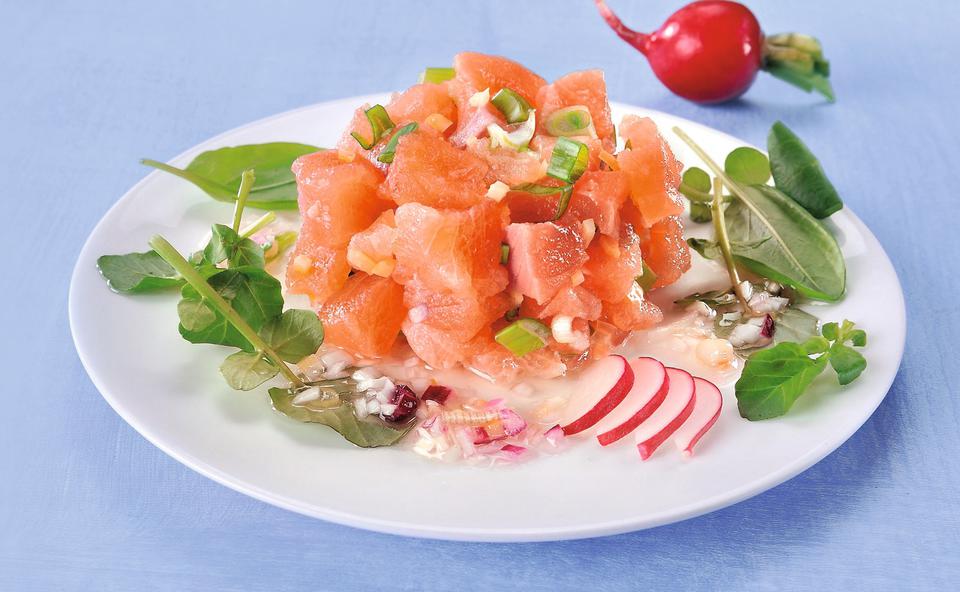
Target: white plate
{"type": "Point", "coordinates": [170, 391]}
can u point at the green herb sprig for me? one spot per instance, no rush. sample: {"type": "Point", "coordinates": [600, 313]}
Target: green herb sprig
{"type": "Point", "coordinates": [773, 379]}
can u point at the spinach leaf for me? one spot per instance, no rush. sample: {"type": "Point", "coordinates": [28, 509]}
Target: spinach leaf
{"type": "Point", "coordinates": [747, 165]}
{"type": "Point", "coordinates": [798, 173]}
{"type": "Point", "coordinates": [218, 172]}
{"type": "Point", "coordinates": [777, 239]}
{"type": "Point", "coordinates": [294, 335]}
{"type": "Point", "coordinates": [253, 293]}
{"type": "Point", "coordinates": [245, 371]}
{"type": "Point", "coordinates": [138, 272]}
{"type": "Point", "coordinates": [774, 379]}
{"type": "Point", "coordinates": [368, 433]}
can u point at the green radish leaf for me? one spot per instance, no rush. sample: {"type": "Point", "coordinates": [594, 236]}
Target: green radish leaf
{"type": "Point", "coordinates": [748, 166]}
{"type": "Point", "coordinates": [798, 173]}
{"type": "Point", "coordinates": [777, 239]}
{"type": "Point", "coordinates": [294, 335]}
{"type": "Point", "coordinates": [245, 371]}
{"type": "Point", "coordinates": [696, 185]}
{"type": "Point", "coordinates": [217, 173]}
{"type": "Point", "coordinates": [773, 379]}
{"type": "Point", "coordinates": [848, 363]}
{"type": "Point", "coordinates": [793, 324]}
{"type": "Point", "coordinates": [708, 249]}
{"type": "Point", "coordinates": [135, 273]}
{"type": "Point", "coordinates": [858, 338]}
{"type": "Point", "coordinates": [816, 345]}
{"type": "Point", "coordinates": [700, 212]}
{"type": "Point", "coordinates": [337, 413]}
{"type": "Point", "coordinates": [194, 314]}
{"type": "Point", "coordinates": [831, 331]}
{"type": "Point", "coordinates": [252, 292]}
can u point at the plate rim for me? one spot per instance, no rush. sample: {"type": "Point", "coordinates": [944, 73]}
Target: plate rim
{"type": "Point", "coordinates": [398, 527]}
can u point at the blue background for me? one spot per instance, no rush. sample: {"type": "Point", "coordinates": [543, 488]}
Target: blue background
{"type": "Point", "coordinates": [88, 88]}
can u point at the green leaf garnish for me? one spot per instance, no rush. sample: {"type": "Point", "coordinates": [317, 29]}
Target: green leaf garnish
{"type": "Point", "coordinates": [245, 371]}
{"type": "Point", "coordinates": [391, 148]}
{"type": "Point", "coordinates": [695, 185]}
{"type": "Point", "coordinates": [218, 173]}
{"type": "Point", "coordinates": [523, 336]}
{"type": "Point", "coordinates": [294, 335]}
{"type": "Point", "coordinates": [568, 160]}
{"type": "Point", "coordinates": [774, 237]}
{"type": "Point", "coordinates": [515, 108]}
{"type": "Point", "coordinates": [748, 166]}
{"type": "Point", "coordinates": [380, 123]}
{"type": "Point", "coordinates": [798, 173]}
{"type": "Point", "coordinates": [336, 411]}
{"type": "Point", "coordinates": [138, 272]}
{"type": "Point", "coordinates": [773, 379]}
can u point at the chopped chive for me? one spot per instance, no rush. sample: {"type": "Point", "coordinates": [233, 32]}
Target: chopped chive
{"type": "Point", "coordinates": [570, 121]}
{"type": "Point", "coordinates": [436, 75]}
{"type": "Point", "coordinates": [514, 107]}
{"type": "Point", "coordinates": [380, 123]}
{"type": "Point", "coordinates": [565, 192]}
{"type": "Point", "coordinates": [647, 280]}
{"type": "Point", "coordinates": [504, 253]}
{"type": "Point", "coordinates": [569, 160]}
{"type": "Point", "coordinates": [523, 336]}
{"type": "Point", "coordinates": [391, 148]}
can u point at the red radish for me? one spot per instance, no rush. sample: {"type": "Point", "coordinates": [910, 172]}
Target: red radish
{"type": "Point", "coordinates": [675, 409]}
{"type": "Point", "coordinates": [706, 410]}
{"type": "Point", "coordinates": [710, 51]}
{"type": "Point", "coordinates": [650, 385]}
{"type": "Point", "coordinates": [600, 388]}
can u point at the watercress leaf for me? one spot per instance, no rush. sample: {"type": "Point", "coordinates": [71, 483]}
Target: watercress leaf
{"type": "Point", "coordinates": [773, 379]}
{"type": "Point", "coordinates": [222, 242]}
{"type": "Point", "coordinates": [858, 337]}
{"type": "Point", "coordinates": [252, 292]}
{"type": "Point", "coordinates": [247, 253]}
{"type": "Point", "coordinates": [848, 363]}
{"type": "Point", "coordinates": [294, 335]}
{"type": "Point", "coordinates": [138, 272]}
{"type": "Point", "coordinates": [793, 324]}
{"type": "Point", "coordinates": [697, 178]}
{"type": "Point", "coordinates": [194, 314]}
{"type": "Point", "coordinates": [798, 173]}
{"type": "Point", "coordinates": [366, 433]}
{"type": "Point", "coordinates": [748, 166]}
{"type": "Point", "coordinates": [831, 331]}
{"type": "Point", "coordinates": [816, 345]}
{"type": "Point", "coordinates": [777, 239]}
{"type": "Point", "coordinates": [217, 173]}
{"type": "Point", "coordinates": [245, 371]}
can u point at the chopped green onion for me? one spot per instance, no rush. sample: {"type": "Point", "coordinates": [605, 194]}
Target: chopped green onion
{"type": "Point", "coordinates": [571, 121]}
{"type": "Point", "coordinates": [569, 160]}
{"type": "Point", "coordinates": [436, 75]}
{"type": "Point", "coordinates": [647, 279]}
{"type": "Point", "coordinates": [514, 107]}
{"type": "Point", "coordinates": [391, 148]}
{"type": "Point", "coordinates": [380, 123]}
{"type": "Point", "coordinates": [523, 336]}
{"type": "Point", "coordinates": [504, 253]}
{"type": "Point", "coordinates": [565, 192]}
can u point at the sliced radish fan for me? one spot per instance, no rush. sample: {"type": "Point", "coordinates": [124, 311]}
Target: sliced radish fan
{"type": "Point", "coordinates": [650, 385]}
{"type": "Point", "coordinates": [706, 410]}
{"type": "Point", "coordinates": [675, 409]}
{"type": "Point", "coordinates": [600, 388]}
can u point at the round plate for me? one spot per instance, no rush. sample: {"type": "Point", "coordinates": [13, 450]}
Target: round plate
{"type": "Point", "coordinates": [171, 392]}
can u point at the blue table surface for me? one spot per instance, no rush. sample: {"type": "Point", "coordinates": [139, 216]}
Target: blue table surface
{"type": "Point", "coordinates": [89, 87]}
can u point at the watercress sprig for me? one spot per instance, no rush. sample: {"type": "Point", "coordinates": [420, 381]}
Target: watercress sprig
{"type": "Point", "coordinates": [773, 379]}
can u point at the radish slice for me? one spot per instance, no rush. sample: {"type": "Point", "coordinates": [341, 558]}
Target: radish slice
{"type": "Point", "coordinates": [600, 388]}
{"type": "Point", "coordinates": [675, 409]}
{"type": "Point", "coordinates": [706, 410]}
{"type": "Point", "coordinates": [650, 385]}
